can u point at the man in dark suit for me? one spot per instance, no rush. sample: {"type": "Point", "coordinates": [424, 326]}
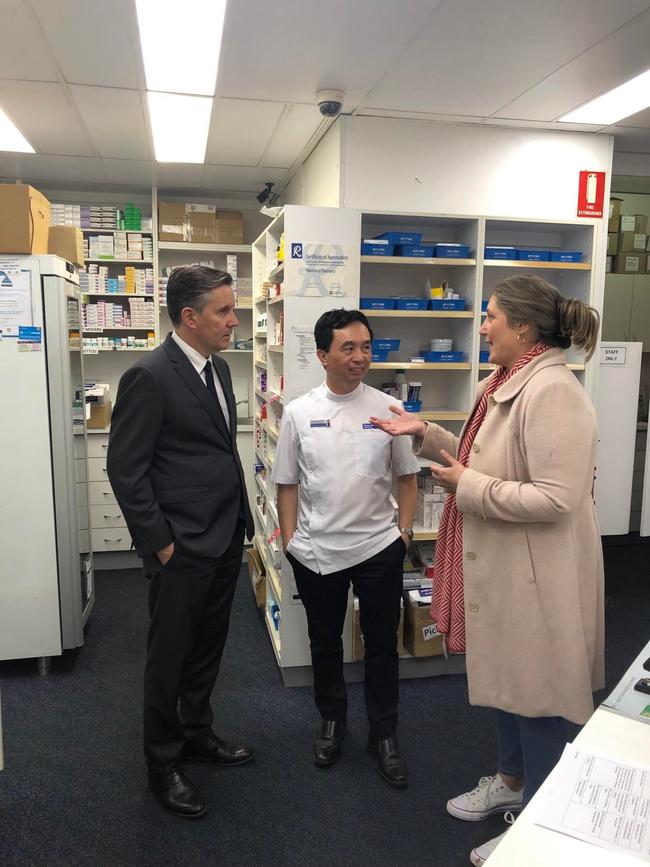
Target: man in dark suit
{"type": "Point", "coordinates": [174, 468]}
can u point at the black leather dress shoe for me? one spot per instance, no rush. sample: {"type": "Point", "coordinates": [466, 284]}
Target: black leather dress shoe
{"type": "Point", "coordinates": [327, 746]}
{"type": "Point", "coordinates": [210, 748]}
{"type": "Point", "coordinates": [392, 766]}
{"type": "Point", "coordinates": [177, 793]}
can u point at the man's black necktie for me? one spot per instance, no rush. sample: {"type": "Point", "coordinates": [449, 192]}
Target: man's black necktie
{"type": "Point", "coordinates": [209, 381]}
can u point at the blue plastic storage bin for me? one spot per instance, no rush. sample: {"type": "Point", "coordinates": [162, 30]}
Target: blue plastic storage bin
{"type": "Point", "coordinates": [533, 255]}
{"type": "Point", "coordinates": [380, 356]}
{"type": "Point", "coordinates": [452, 251]}
{"type": "Point", "coordinates": [484, 356]}
{"type": "Point", "coordinates": [385, 344]}
{"type": "Point", "coordinates": [566, 256]}
{"type": "Point", "coordinates": [447, 304]}
{"type": "Point", "coordinates": [377, 303]}
{"type": "Point", "coordinates": [500, 253]}
{"type": "Point", "coordinates": [411, 303]}
{"type": "Point", "coordinates": [413, 405]}
{"type": "Point", "coordinates": [424, 251]}
{"type": "Point", "coordinates": [484, 304]}
{"type": "Point", "coordinates": [368, 249]}
{"type": "Point", "coordinates": [443, 357]}
{"type": "Point", "coordinates": [401, 237]}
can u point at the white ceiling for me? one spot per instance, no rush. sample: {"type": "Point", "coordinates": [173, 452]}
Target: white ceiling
{"type": "Point", "coordinates": [71, 78]}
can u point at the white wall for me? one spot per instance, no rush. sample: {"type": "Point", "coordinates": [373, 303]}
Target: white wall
{"type": "Point", "coordinates": [422, 166]}
{"type": "Point", "coordinates": [317, 182]}
{"type": "Point", "coordinates": [632, 164]}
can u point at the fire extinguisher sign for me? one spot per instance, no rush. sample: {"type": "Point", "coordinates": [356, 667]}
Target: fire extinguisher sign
{"type": "Point", "coordinates": [591, 194]}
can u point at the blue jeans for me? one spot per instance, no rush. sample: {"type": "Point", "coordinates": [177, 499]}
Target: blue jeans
{"type": "Point", "coordinates": [530, 747]}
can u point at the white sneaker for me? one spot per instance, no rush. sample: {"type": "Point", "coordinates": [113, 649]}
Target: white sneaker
{"type": "Point", "coordinates": [480, 855]}
{"type": "Point", "coordinates": [490, 796]}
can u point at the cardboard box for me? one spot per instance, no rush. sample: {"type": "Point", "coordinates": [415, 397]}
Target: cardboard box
{"type": "Point", "coordinates": [630, 242]}
{"type": "Point", "coordinates": [612, 243]}
{"type": "Point", "coordinates": [629, 263]}
{"type": "Point", "coordinates": [421, 636]}
{"type": "Point", "coordinates": [24, 219]}
{"type": "Point", "coordinates": [357, 636]}
{"type": "Point", "coordinates": [634, 223]}
{"type": "Point", "coordinates": [68, 243]}
{"type": "Point", "coordinates": [100, 415]}
{"type": "Point", "coordinates": [608, 265]}
{"type": "Point", "coordinates": [614, 206]}
{"type": "Point", "coordinates": [613, 224]}
{"type": "Point", "coordinates": [172, 221]}
{"type": "Point", "coordinates": [229, 227]}
{"type": "Point", "coordinates": [201, 227]}
{"type": "Point", "coordinates": [257, 574]}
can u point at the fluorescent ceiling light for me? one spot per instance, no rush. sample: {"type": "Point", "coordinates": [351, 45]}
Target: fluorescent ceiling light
{"type": "Point", "coordinates": [11, 139]}
{"type": "Point", "coordinates": [181, 41]}
{"type": "Point", "coordinates": [180, 126]}
{"type": "Point", "coordinates": [623, 101]}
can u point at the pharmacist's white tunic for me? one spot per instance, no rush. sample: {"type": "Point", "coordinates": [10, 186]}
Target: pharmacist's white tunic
{"type": "Point", "coordinates": [345, 468]}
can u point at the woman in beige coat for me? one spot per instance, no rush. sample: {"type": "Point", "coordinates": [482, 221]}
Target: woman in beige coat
{"type": "Point", "coordinates": [519, 570]}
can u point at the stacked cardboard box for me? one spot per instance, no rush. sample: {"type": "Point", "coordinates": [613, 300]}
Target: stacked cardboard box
{"type": "Point", "coordinates": [627, 241]}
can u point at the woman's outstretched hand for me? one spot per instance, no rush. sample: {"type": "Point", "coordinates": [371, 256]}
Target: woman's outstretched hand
{"type": "Point", "coordinates": [406, 423]}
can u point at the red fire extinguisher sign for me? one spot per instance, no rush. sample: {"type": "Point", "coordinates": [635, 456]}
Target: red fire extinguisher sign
{"type": "Point", "coordinates": [591, 194]}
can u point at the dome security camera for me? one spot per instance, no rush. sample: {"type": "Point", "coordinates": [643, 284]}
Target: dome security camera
{"type": "Point", "coordinates": [330, 102]}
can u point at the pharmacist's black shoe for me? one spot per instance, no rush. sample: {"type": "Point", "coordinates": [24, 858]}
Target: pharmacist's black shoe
{"type": "Point", "coordinates": [177, 793]}
{"type": "Point", "coordinates": [209, 748]}
{"type": "Point", "coordinates": [392, 766]}
{"type": "Point", "coordinates": [327, 746]}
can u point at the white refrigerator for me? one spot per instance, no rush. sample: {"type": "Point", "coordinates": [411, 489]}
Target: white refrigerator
{"type": "Point", "coordinates": [46, 570]}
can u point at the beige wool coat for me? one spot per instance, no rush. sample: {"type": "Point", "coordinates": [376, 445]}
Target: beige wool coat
{"type": "Point", "coordinates": [532, 555]}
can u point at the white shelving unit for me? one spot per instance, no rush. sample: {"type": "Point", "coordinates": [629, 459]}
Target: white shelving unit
{"type": "Point", "coordinates": [447, 389]}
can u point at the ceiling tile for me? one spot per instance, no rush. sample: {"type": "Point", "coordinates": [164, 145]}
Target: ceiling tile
{"type": "Point", "coordinates": [618, 57]}
{"type": "Point", "coordinates": [297, 126]}
{"type": "Point", "coordinates": [471, 58]}
{"type": "Point", "coordinates": [240, 130]}
{"type": "Point", "coordinates": [43, 114]}
{"type": "Point", "coordinates": [627, 140]}
{"type": "Point", "coordinates": [295, 47]}
{"type": "Point", "coordinates": [73, 170]}
{"type": "Point", "coordinates": [178, 175]}
{"type": "Point", "coordinates": [240, 178]}
{"type": "Point", "coordinates": [93, 42]}
{"type": "Point", "coordinates": [25, 54]}
{"type": "Point", "coordinates": [115, 121]}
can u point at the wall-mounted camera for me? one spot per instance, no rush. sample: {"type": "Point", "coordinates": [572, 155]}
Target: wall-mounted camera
{"type": "Point", "coordinates": [266, 192]}
{"type": "Point", "coordinates": [330, 102]}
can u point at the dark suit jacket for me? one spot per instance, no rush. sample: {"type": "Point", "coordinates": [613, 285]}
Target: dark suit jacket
{"type": "Point", "coordinates": [172, 462]}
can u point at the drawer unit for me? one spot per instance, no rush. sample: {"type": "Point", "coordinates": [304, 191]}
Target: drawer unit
{"type": "Point", "coordinates": [108, 515]}
{"type": "Point", "coordinates": [100, 493]}
{"type": "Point", "coordinates": [84, 540]}
{"type": "Point", "coordinates": [82, 517]}
{"type": "Point", "coordinates": [82, 494]}
{"type": "Point", "coordinates": [97, 470]}
{"type": "Point", "coordinates": [117, 539]}
{"type": "Point", "coordinates": [78, 446]}
{"type": "Point", "coordinates": [97, 446]}
{"type": "Point", "coordinates": [80, 470]}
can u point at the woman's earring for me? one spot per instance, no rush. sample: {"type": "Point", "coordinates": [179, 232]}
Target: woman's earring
{"type": "Point", "coordinates": [520, 337]}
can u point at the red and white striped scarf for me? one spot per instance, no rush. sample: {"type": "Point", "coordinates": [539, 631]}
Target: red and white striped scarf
{"type": "Point", "coordinates": [448, 602]}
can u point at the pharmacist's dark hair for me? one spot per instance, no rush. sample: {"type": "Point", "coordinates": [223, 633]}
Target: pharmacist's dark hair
{"type": "Point", "coordinates": [335, 319]}
{"type": "Point", "coordinates": [190, 286]}
{"type": "Point", "coordinates": [556, 320]}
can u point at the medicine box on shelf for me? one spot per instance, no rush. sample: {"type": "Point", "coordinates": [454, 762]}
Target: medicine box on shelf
{"type": "Point", "coordinates": [385, 344]}
{"type": "Point", "coordinates": [442, 357]}
{"type": "Point", "coordinates": [447, 304]}
{"type": "Point", "coordinates": [400, 237]}
{"type": "Point", "coordinates": [380, 355]}
{"type": "Point", "coordinates": [500, 253]}
{"type": "Point", "coordinates": [413, 405]}
{"type": "Point", "coordinates": [533, 255]}
{"type": "Point", "coordinates": [411, 303]}
{"type": "Point", "coordinates": [452, 251]}
{"type": "Point", "coordinates": [368, 248]}
{"type": "Point", "coordinates": [566, 256]}
{"type": "Point", "coordinates": [377, 303]}
{"type": "Point", "coordinates": [424, 251]}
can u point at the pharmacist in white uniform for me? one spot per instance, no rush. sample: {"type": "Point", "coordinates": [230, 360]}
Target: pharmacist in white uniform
{"type": "Point", "coordinates": [334, 472]}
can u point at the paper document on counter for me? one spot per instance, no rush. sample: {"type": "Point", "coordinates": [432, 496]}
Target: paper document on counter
{"type": "Point", "coordinates": [600, 800]}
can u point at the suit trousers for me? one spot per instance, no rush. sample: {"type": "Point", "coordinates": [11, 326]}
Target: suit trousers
{"type": "Point", "coordinates": [378, 584]}
{"type": "Point", "coordinates": [190, 599]}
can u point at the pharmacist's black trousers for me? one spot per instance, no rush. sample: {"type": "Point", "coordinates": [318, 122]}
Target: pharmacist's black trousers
{"type": "Point", "coordinates": [378, 584]}
{"type": "Point", "coordinates": [189, 605]}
